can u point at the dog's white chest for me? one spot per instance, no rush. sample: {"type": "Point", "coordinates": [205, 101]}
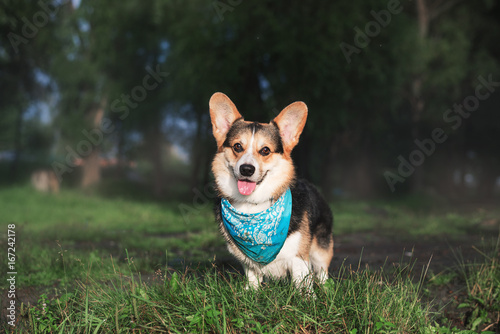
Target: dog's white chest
{"type": "Point", "coordinates": [290, 247]}
{"type": "Point", "coordinates": [252, 208]}
{"type": "Point", "coordinates": [281, 264]}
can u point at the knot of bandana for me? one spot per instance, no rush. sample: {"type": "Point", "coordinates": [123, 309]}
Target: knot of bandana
{"type": "Point", "coordinates": [259, 236]}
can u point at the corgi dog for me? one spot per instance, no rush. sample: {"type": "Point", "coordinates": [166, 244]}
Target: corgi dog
{"type": "Point", "coordinates": [274, 223]}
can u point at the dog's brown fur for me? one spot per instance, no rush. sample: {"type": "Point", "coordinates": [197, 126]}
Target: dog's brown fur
{"type": "Point", "coordinates": [267, 148]}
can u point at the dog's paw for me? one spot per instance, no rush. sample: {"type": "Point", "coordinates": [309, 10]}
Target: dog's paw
{"type": "Point", "coordinates": [252, 285]}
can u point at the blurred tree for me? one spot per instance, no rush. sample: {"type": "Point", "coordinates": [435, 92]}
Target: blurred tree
{"type": "Point", "coordinates": [134, 52]}
{"type": "Point", "coordinates": [376, 75]}
{"type": "Point", "coordinates": [292, 54]}
{"type": "Point", "coordinates": [107, 68]}
{"type": "Point", "coordinates": [80, 86]}
{"type": "Point", "coordinates": [19, 57]}
{"type": "Point", "coordinates": [349, 97]}
{"type": "Point", "coordinates": [207, 55]}
{"type": "Point", "coordinates": [445, 63]}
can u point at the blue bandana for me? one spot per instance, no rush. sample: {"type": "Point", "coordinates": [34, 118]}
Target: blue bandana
{"type": "Point", "coordinates": [259, 236]}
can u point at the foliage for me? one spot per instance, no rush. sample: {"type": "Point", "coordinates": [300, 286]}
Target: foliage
{"type": "Point", "coordinates": [98, 275]}
{"type": "Point", "coordinates": [209, 301]}
{"type": "Point", "coordinates": [483, 289]}
{"type": "Point", "coordinates": [214, 302]}
{"type": "Point", "coordinates": [65, 229]}
{"type": "Point", "coordinates": [90, 56]}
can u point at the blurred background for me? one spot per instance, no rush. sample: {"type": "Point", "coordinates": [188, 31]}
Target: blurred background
{"type": "Point", "coordinates": [112, 96]}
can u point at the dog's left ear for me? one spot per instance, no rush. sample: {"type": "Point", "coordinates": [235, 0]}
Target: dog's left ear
{"type": "Point", "coordinates": [223, 113]}
{"type": "Point", "coordinates": [291, 122]}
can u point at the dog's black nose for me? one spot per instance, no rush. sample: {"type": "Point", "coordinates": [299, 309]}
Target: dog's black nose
{"type": "Point", "coordinates": [247, 170]}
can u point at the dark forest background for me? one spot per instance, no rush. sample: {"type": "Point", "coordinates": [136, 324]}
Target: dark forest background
{"type": "Point", "coordinates": [403, 96]}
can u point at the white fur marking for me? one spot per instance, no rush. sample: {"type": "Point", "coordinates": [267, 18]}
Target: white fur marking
{"type": "Point", "coordinates": [248, 157]}
{"type": "Point", "coordinates": [319, 266]}
{"type": "Point", "coordinates": [284, 261]}
{"type": "Point", "coordinates": [254, 279]}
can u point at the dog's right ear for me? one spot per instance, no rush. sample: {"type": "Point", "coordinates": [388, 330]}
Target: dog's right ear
{"type": "Point", "coordinates": [223, 113]}
{"type": "Point", "coordinates": [291, 122]}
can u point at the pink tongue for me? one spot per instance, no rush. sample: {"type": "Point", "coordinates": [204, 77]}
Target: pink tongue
{"type": "Point", "coordinates": [246, 187]}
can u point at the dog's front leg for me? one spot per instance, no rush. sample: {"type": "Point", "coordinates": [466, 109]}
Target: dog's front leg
{"type": "Point", "coordinates": [301, 274]}
{"type": "Point", "coordinates": [254, 278]}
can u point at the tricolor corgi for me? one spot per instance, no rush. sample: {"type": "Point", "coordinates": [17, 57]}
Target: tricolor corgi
{"type": "Point", "coordinates": [273, 223]}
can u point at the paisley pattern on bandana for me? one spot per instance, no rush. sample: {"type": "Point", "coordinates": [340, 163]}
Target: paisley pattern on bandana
{"type": "Point", "coordinates": [259, 236]}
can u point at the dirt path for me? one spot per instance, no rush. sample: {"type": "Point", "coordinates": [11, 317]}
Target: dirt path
{"type": "Point", "coordinates": [370, 249]}
{"type": "Point", "coordinates": [376, 251]}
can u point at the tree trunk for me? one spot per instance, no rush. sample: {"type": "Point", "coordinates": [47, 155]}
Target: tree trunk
{"type": "Point", "coordinates": [207, 170]}
{"type": "Point", "coordinates": [197, 153]}
{"type": "Point", "coordinates": [362, 172]}
{"type": "Point", "coordinates": [14, 167]}
{"type": "Point", "coordinates": [417, 108]}
{"type": "Point", "coordinates": [417, 101]}
{"type": "Point", "coordinates": [426, 12]}
{"type": "Point", "coordinates": [329, 166]}
{"type": "Point", "coordinates": [155, 144]}
{"type": "Point", "coordinates": [122, 163]}
{"type": "Point", "coordinates": [91, 169]}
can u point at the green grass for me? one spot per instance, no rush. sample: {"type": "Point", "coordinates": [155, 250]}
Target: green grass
{"type": "Point", "coordinates": [482, 281]}
{"type": "Point", "coordinates": [81, 226]}
{"type": "Point", "coordinates": [354, 301]}
{"type": "Point", "coordinates": [212, 302]}
{"type": "Point", "coordinates": [68, 210]}
{"type": "Point", "coordinates": [477, 300]}
{"type": "Point", "coordinates": [85, 256]}
{"type": "Point", "coordinates": [409, 216]}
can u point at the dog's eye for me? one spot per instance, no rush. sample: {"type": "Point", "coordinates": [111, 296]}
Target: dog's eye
{"type": "Point", "coordinates": [238, 148]}
{"type": "Point", "coordinates": [265, 151]}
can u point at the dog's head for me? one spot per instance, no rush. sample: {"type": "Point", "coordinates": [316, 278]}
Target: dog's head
{"type": "Point", "coordinates": [253, 162]}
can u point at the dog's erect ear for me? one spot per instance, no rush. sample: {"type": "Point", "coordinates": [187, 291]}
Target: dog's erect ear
{"type": "Point", "coordinates": [223, 113]}
{"type": "Point", "coordinates": [291, 122]}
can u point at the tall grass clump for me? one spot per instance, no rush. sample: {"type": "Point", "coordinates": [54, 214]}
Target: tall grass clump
{"type": "Point", "coordinates": [482, 283]}
{"type": "Point", "coordinates": [354, 301]}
